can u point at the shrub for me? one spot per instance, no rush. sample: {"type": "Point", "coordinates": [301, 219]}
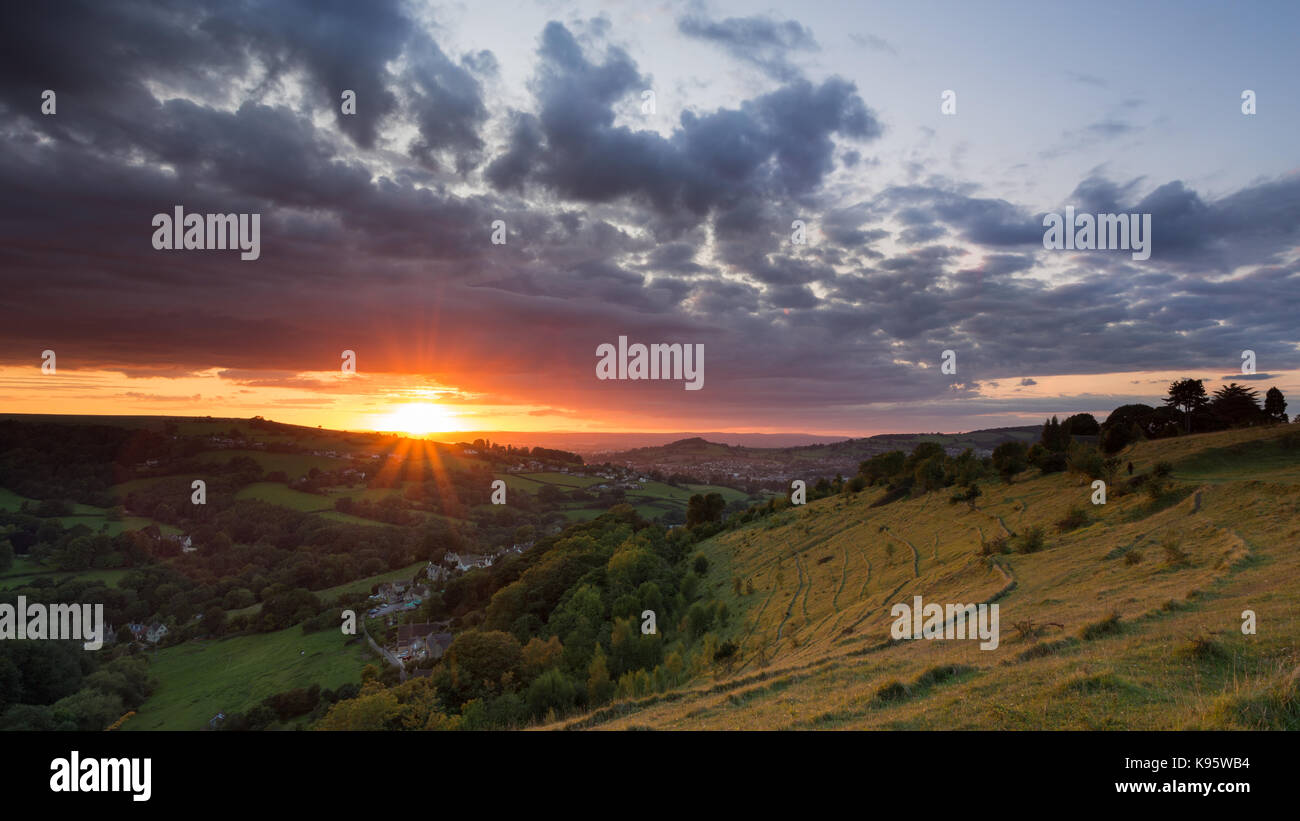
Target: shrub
{"type": "Point", "coordinates": [968, 495]}
{"type": "Point", "coordinates": [1076, 518]}
{"type": "Point", "coordinates": [998, 544]}
{"type": "Point", "coordinates": [725, 651]}
{"type": "Point", "coordinates": [1085, 460]}
{"type": "Point", "coordinates": [1133, 557]}
{"type": "Point", "coordinates": [1031, 541]}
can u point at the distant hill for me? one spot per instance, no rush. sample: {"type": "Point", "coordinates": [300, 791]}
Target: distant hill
{"type": "Point", "coordinates": [826, 458]}
{"type": "Point", "coordinates": [593, 444]}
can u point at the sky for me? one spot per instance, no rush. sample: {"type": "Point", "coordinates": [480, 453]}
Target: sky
{"type": "Point", "coordinates": [663, 219]}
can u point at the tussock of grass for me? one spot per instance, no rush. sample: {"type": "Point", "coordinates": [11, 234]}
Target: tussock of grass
{"type": "Point", "coordinates": [1045, 649]}
{"type": "Point", "coordinates": [1175, 556]}
{"type": "Point", "coordinates": [941, 674]}
{"type": "Point", "coordinates": [1108, 626]}
{"type": "Point", "coordinates": [893, 691]}
{"type": "Point", "coordinates": [1204, 648]}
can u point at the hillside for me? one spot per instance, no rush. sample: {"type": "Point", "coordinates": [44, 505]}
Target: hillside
{"type": "Point", "coordinates": [1131, 620]}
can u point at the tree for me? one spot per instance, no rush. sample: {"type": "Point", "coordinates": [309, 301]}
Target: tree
{"type": "Point", "coordinates": [1081, 424]}
{"type": "Point", "coordinates": [88, 710]}
{"type": "Point", "coordinates": [538, 656]}
{"type": "Point", "coordinates": [1187, 395]}
{"type": "Point", "coordinates": [550, 691]}
{"type": "Point", "coordinates": [1116, 438]}
{"type": "Point", "coordinates": [1274, 409]}
{"type": "Point", "coordinates": [701, 509]}
{"type": "Point", "coordinates": [882, 466]}
{"type": "Point", "coordinates": [599, 686]}
{"type": "Point", "coordinates": [7, 554]}
{"type": "Point", "coordinates": [1010, 458]}
{"type": "Point", "coordinates": [1236, 405]}
{"type": "Point", "coordinates": [1054, 437]}
{"type": "Point", "coordinates": [1127, 415]}
{"type": "Point", "coordinates": [479, 662]}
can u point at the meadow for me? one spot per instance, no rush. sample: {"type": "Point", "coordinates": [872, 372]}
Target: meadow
{"type": "Point", "coordinates": [198, 679]}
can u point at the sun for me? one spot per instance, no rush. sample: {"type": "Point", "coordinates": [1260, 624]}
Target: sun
{"type": "Point", "coordinates": [418, 418]}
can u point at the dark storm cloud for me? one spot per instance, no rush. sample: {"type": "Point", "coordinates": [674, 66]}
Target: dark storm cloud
{"type": "Point", "coordinates": [198, 48]}
{"type": "Point", "coordinates": [776, 145]}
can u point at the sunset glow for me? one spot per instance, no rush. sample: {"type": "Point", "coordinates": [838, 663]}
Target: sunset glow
{"type": "Point", "coordinates": [418, 418]}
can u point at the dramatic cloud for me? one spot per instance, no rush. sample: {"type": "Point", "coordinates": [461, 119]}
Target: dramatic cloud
{"type": "Point", "coordinates": [376, 227]}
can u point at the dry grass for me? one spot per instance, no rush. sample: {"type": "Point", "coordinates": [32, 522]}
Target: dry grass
{"type": "Point", "coordinates": [1132, 658]}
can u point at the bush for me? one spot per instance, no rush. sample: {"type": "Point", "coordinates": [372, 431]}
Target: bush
{"type": "Point", "coordinates": [998, 544]}
{"type": "Point", "coordinates": [1085, 460]}
{"type": "Point", "coordinates": [1031, 541]}
{"type": "Point", "coordinates": [1075, 519]}
{"type": "Point", "coordinates": [1133, 557]}
{"type": "Point", "coordinates": [968, 495]}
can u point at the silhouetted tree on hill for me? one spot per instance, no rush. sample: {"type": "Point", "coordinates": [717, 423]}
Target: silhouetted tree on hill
{"type": "Point", "coordinates": [1187, 395]}
{"type": "Point", "coordinates": [1275, 405]}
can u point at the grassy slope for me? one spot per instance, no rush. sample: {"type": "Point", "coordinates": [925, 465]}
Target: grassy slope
{"type": "Point", "coordinates": [199, 679]}
{"type": "Point", "coordinates": [814, 635]}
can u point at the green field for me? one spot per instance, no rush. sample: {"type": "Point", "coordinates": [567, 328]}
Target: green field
{"type": "Point", "coordinates": [11, 501]}
{"type": "Point", "coordinates": [24, 571]}
{"type": "Point", "coordinates": [92, 517]}
{"type": "Point", "coordinates": [532, 482]}
{"type": "Point", "coordinates": [277, 494]}
{"type": "Point", "coordinates": [196, 680]}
